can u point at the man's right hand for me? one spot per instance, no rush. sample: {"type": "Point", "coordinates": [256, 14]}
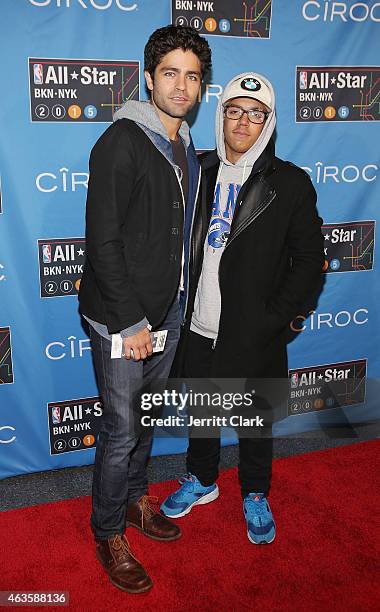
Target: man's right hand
{"type": "Point", "coordinates": [140, 344]}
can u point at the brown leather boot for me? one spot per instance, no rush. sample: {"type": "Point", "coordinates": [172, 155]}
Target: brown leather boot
{"type": "Point", "coordinates": [123, 569]}
{"type": "Point", "coordinates": [144, 515]}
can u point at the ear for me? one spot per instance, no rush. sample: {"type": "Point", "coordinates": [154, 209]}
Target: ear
{"type": "Point", "coordinates": [149, 80]}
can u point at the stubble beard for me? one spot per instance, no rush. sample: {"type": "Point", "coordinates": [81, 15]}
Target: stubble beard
{"type": "Point", "coordinates": [171, 109]}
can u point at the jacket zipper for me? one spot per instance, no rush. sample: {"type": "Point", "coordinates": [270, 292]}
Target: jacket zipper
{"type": "Point", "coordinates": [257, 214]}
{"type": "Point", "coordinates": [184, 220]}
{"type": "Point", "coordinates": [190, 240]}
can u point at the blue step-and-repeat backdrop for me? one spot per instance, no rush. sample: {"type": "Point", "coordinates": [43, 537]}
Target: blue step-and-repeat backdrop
{"type": "Point", "coordinates": [67, 66]}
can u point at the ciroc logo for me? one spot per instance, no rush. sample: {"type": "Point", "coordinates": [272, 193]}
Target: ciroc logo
{"type": "Point", "coordinates": [99, 5]}
{"type": "Point", "coordinates": [74, 347]}
{"type": "Point", "coordinates": [63, 180]}
{"type": "Point", "coordinates": [349, 173]}
{"type": "Point", "coordinates": [5, 436]}
{"type": "Point", "coordinates": [317, 321]}
{"type": "Point", "coordinates": [340, 11]}
{"type": "Point", "coordinates": [208, 91]}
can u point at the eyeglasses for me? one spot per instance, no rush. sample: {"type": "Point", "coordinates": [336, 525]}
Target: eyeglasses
{"type": "Point", "coordinates": [236, 112]}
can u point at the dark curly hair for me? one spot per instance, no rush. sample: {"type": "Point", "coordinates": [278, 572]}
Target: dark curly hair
{"type": "Point", "coordinates": [172, 37]}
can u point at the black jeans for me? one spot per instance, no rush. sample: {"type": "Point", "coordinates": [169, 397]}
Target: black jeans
{"type": "Point", "coordinates": [203, 454]}
{"type": "Point", "coordinates": [123, 447]}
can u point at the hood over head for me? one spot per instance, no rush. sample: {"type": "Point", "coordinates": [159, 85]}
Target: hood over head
{"type": "Point", "coordinates": [247, 85]}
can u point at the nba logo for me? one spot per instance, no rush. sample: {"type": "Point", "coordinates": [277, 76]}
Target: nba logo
{"type": "Point", "coordinates": [56, 415]}
{"type": "Point", "coordinates": [38, 74]}
{"type": "Point", "coordinates": [303, 80]}
{"type": "Point", "coordinates": [46, 253]}
{"type": "Point", "coordinates": [294, 380]}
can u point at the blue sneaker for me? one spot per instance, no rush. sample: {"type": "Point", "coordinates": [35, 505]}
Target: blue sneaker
{"type": "Point", "coordinates": [191, 493]}
{"type": "Point", "coordinates": [260, 524]}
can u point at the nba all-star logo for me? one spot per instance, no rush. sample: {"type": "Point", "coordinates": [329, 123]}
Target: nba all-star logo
{"type": "Point", "coordinates": [349, 247]}
{"type": "Point", "coordinates": [327, 386]}
{"type": "Point", "coordinates": [337, 93]}
{"type": "Point", "coordinates": [73, 424]}
{"type": "Point", "coordinates": [61, 263]}
{"type": "Point", "coordinates": [77, 90]}
{"type": "Point", "coordinates": [238, 18]}
{"type": "Point", "coordinates": [6, 365]}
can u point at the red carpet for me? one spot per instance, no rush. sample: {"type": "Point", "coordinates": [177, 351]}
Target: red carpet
{"type": "Point", "coordinates": [324, 556]}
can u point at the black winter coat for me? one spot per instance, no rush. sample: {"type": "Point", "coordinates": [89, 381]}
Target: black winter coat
{"type": "Point", "coordinates": [134, 229]}
{"type": "Point", "coordinates": [271, 264]}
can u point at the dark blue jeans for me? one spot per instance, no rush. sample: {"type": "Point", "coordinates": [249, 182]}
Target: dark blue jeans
{"type": "Point", "coordinates": [123, 448]}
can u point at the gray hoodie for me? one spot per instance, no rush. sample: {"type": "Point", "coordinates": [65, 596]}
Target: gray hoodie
{"type": "Point", "coordinates": [207, 305]}
{"type": "Point", "coordinates": [146, 116]}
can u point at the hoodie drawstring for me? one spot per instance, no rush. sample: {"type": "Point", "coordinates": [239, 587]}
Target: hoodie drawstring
{"type": "Point", "coordinates": [219, 173]}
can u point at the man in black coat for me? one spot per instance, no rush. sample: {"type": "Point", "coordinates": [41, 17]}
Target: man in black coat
{"type": "Point", "coordinates": [258, 255]}
{"type": "Point", "coordinates": [144, 179]}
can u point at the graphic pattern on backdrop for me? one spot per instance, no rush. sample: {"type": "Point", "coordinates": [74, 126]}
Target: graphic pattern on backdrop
{"type": "Point", "coordinates": [6, 366]}
{"type": "Point", "coordinates": [63, 84]}
{"type": "Point", "coordinates": [80, 90]}
{"type": "Point", "coordinates": [241, 18]}
{"type": "Point", "coordinates": [327, 386]}
{"type": "Point", "coordinates": [332, 93]}
{"type": "Point", "coordinates": [61, 266]}
{"type": "Point", "coordinates": [349, 247]}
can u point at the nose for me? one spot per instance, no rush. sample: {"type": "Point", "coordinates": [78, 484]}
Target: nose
{"type": "Point", "coordinates": [180, 82]}
{"type": "Point", "coordinates": [243, 119]}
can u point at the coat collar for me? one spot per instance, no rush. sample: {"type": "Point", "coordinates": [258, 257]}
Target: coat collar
{"type": "Point", "coordinates": [254, 196]}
